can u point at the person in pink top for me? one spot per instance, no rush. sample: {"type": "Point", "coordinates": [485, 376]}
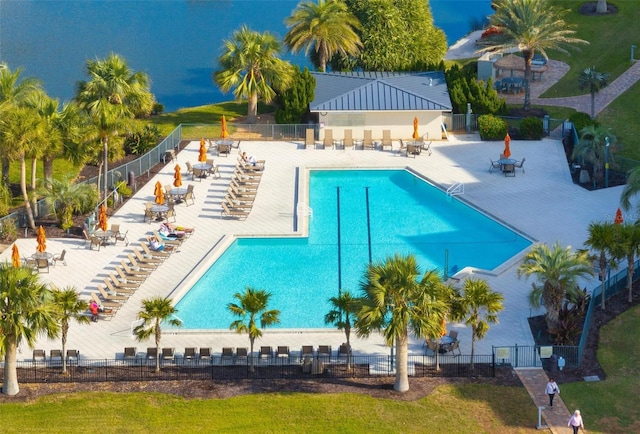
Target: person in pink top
{"type": "Point", "coordinates": [576, 422]}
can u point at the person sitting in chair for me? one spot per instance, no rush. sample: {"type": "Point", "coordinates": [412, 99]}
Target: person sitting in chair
{"type": "Point", "coordinates": [156, 244]}
{"type": "Point", "coordinates": [94, 311]}
{"type": "Point", "coordinates": [252, 160]}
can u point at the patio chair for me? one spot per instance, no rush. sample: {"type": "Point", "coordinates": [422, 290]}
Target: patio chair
{"type": "Point", "coordinates": [73, 355]}
{"type": "Point", "coordinates": [348, 139]}
{"type": "Point", "coordinates": [233, 212]}
{"type": "Point", "coordinates": [494, 165]}
{"type": "Point", "coordinates": [509, 170]}
{"type": "Point", "coordinates": [282, 352]}
{"type": "Point", "coordinates": [139, 264]}
{"type": "Point", "coordinates": [42, 264]}
{"type": "Point", "coordinates": [386, 140]}
{"type": "Point", "coordinates": [432, 347]}
{"type": "Point", "coordinates": [111, 296]}
{"type": "Point", "coordinates": [105, 304]}
{"type": "Point", "coordinates": [204, 353]}
{"type": "Point", "coordinates": [455, 346]}
{"type": "Point", "coordinates": [224, 149]}
{"type": "Point", "coordinates": [152, 353]}
{"type": "Point", "coordinates": [227, 355]}
{"type": "Point", "coordinates": [190, 353]}
{"type": "Point", "coordinates": [55, 356]}
{"type": "Point", "coordinates": [168, 354]}
{"type": "Point", "coordinates": [327, 143]}
{"type": "Point", "coordinates": [306, 352]}
{"type": "Point", "coordinates": [198, 174]}
{"type": "Point", "coordinates": [520, 164]}
{"type": "Point", "coordinates": [159, 254]}
{"type": "Point", "coordinates": [324, 351]}
{"type": "Point", "coordinates": [148, 215]}
{"type": "Point", "coordinates": [344, 350]}
{"type": "Point", "coordinates": [266, 352]}
{"type": "Point", "coordinates": [124, 277]}
{"type": "Point", "coordinates": [130, 353]}
{"type": "Point", "coordinates": [242, 355]}
{"type": "Point", "coordinates": [39, 356]}
{"type": "Point", "coordinates": [120, 236]}
{"type": "Point", "coordinates": [310, 138]}
{"type": "Point", "coordinates": [367, 142]}
{"type": "Point", "coordinates": [95, 241]}
{"type": "Point", "coordinates": [59, 258]}
{"type": "Point", "coordinates": [189, 167]}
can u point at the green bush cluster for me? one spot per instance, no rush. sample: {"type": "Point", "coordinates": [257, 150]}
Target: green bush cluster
{"type": "Point", "coordinates": [141, 141]}
{"type": "Point", "coordinates": [492, 127]}
{"type": "Point", "coordinates": [465, 88]}
{"type": "Point", "coordinates": [293, 103]}
{"type": "Point", "coordinates": [8, 230]}
{"type": "Point", "coordinates": [581, 120]}
{"type": "Point", "coordinates": [531, 128]}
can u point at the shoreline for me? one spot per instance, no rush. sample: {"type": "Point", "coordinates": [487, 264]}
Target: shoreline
{"type": "Point", "coordinates": [464, 48]}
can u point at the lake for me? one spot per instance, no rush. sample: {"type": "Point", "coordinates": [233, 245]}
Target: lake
{"type": "Point", "coordinates": [176, 42]}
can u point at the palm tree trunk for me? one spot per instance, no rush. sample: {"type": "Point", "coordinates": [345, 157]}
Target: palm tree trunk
{"type": "Point", "coordinates": [603, 276]}
{"type": "Point", "coordinates": [402, 378]}
{"type": "Point", "coordinates": [630, 270]}
{"type": "Point", "coordinates": [105, 157]}
{"type": "Point", "coordinates": [25, 195]}
{"type": "Point", "coordinates": [47, 167]}
{"type": "Point", "coordinates": [34, 166]}
{"type": "Point", "coordinates": [10, 386]}
{"type": "Point", "coordinates": [5, 170]}
{"type": "Point", "coordinates": [473, 344]}
{"type": "Point", "coordinates": [252, 108]}
{"type": "Point", "coordinates": [528, 56]}
{"type": "Point", "coordinates": [65, 329]}
{"type": "Point", "coordinates": [251, 367]}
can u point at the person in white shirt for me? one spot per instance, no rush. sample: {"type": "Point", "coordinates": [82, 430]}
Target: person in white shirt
{"type": "Point", "coordinates": [551, 390]}
{"type": "Point", "coordinates": [576, 422]}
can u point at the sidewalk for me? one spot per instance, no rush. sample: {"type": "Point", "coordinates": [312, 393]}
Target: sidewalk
{"type": "Point", "coordinates": [535, 381]}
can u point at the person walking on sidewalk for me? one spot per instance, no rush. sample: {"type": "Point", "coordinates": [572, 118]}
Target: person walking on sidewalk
{"type": "Point", "coordinates": [576, 422]}
{"type": "Point", "coordinates": [551, 390]}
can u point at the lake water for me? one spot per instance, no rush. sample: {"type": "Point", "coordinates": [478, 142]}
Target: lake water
{"type": "Point", "coordinates": [176, 42]}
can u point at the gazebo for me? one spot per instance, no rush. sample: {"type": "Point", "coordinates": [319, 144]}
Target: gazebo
{"type": "Point", "coordinates": [511, 62]}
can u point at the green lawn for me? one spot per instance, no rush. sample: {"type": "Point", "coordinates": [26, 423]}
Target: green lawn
{"type": "Point", "coordinates": [448, 410]}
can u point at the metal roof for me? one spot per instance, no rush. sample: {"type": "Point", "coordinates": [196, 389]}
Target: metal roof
{"type": "Point", "coordinates": [380, 91]}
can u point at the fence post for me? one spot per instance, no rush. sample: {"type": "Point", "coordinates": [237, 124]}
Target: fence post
{"type": "Point", "coordinates": [516, 355]}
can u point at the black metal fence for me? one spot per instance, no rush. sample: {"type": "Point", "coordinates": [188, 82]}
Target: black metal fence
{"type": "Point", "coordinates": [143, 369]}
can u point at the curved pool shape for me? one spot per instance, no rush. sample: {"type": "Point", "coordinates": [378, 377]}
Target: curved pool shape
{"type": "Point", "coordinates": [356, 213]}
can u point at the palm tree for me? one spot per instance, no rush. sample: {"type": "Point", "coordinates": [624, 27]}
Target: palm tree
{"type": "Point", "coordinates": [627, 245]}
{"type": "Point", "coordinates": [21, 131]}
{"type": "Point", "coordinates": [557, 271]}
{"type": "Point", "coordinates": [631, 188]}
{"type": "Point", "coordinates": [398, 299]}
{"type": "Point", "coordinates": [66, 198]}
{"type": "Point", "coordinates": [327, 26]}
{"type": "Point", "coordinates": [480, 306]}
{"type": "Point", "coordinates": [602, 238]}
{"type": "Point", "coordinates": [250, 65]}
{"type": "Point", "coordinates": [530, 26]}
{"type": "Point", "coordinates": [155, 311]}
{"type": "Point", "coordinates": [69, 307]}
{"type": "Point", "coordinates": [112, 97]}
{"type": "Point", "coordinates": [14, 91]}
{"type": "Point", "coordinates": [592, 147]}
{"type": "Point", "coordinates": [342, 314]}
{"type": "Point", "coordinates": [251, 308]}
{"type": "Point", "coordinates": [27, 311]}
{"type": "Point", "coordinates": [593, 80]}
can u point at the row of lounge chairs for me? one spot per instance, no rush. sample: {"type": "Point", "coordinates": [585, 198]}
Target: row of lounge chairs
{"type": "Point", "coordinates": [242, 189]}
{"type": "Point", "coordinates": [329, 142]}
{"type": "Point", "coordinates": [54, 355]}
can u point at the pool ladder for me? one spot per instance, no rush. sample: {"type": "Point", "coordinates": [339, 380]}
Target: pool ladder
{"type": "Point", "coordinates": [302, 209]}
{"type": "Point", "coordinates": [456, 189]}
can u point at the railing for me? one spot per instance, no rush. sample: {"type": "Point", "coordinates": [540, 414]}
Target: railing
{"type": "Point", "coordinates": [456, 189]}
{"type": "Point", "coordinates": [554, 128]}
{"type": "Point", "coordinates": [218, 368]}
{"type": "Point", "coordinates": [520, 356]}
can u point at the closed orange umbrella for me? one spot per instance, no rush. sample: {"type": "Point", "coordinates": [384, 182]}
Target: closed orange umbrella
{"type": "Point", "coordinates": [443, 327]}
{"type": "Point", "coordinates": [415, 128]}
{"type": "Point", "coordinates": [202, 156]}
{"type": "Point", "coordinates": [159, 193]}
{"type": "Point", "coordinates": [177, 176]}
{"type": "Point", "coordinates": [223, 128]}
{"type": "Point", "coordinates": [507, 141]}
{"type": "Point", "coordinates": [41, 238]}
{"type": "Point", "coordinates": [15, 255]}
{"type": "Point", "coordinates": [102, 218]}
{"type": "Point", "coordinates": [618, 220]}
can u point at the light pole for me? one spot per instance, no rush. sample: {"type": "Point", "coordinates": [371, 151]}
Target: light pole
{"type": "Point", "coordinates": [606, 162]}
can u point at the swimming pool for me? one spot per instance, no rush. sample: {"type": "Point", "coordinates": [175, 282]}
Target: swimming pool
{"type": "Point", "coordinates": [357, 215]}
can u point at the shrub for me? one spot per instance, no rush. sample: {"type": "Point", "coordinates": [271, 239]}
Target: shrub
{"type": "Point", "coordinates": [491, 127]}
{"type": "Point", "coordinates": [531, 128]}
{"type": "Point", "coordinates": [123, 189]}
{"type": "Point", "coordinates": [140, 142]}
{"type": "Point", "coordinates": [8, 230]}
{"type": "Point", "coordinates": [157, 108]}
{"type": "Point", "coordinates": [581, 120]}
{"type": "Point", "coordinates": [465, 88]}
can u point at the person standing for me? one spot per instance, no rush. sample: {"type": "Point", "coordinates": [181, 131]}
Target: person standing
{"type": "Point", "coordinates": [576, 422]}
{"type": "Point", "coordinates": [551, 390]}
{"type": "Point", "coordinates": [94, 311]}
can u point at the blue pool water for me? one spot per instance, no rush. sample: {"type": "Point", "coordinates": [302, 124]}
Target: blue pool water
{"type": "Point", "coordinates": [176, 42]}
{"type": "Point", "coordinates": [406, 215]}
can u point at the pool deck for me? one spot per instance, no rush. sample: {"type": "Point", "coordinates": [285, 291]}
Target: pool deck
{"type": "Point", "coordinates": [542, 203]}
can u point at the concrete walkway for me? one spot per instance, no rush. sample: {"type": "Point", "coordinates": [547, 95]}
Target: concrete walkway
{"type": "Point", "coordinates": [535, 381]}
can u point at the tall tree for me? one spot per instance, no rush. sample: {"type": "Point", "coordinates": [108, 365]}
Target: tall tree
{"type": "Point", "coordinates": [397, 35]}
{"type": "Point", "coordinates": [327, 27]}
{"type": "Point", "coordinates": [21, 131]}
{"type": "Point", "coordinates": [69, 307]}
{"type": "Point", "coordinates": [480, 306]}
{"type": "Point", "coordinates": [293, 103]}
{"type": "Point", "coordinates": [398, 299]}
{"type": "Point", "coordinates": [627, 246]}
{"type": "Point", "coordinates": [603, 239]}
{"type": "Point", "coordinates": [252, 308]}
{"type": "Point", "coordinates": [592, 80]}
{"type": "Point", "coordinates": [155, 311]}
{"type": "Point", "coordinates": [530, 26]}
{"type": "Point", "coordinates": [112, 97]}
{"type": "Point", "coordinates": [556, 271]}
{"type": "Point", "coordinates": [592, 147]}
{"type": "Point", "coordinates": [251, 66]}
{"type": "Point", "coordinates": [14, 91]}
{"type": "Point", "coordinates": [26, 312]}
{"type": "Point", "coordinates": [343, 312]}
{"type": "Point", "coordinates": [66, 197]}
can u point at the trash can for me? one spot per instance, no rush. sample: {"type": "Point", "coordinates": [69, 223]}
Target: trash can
{"type": "Point", "coordinates": [306, 365]}
{"type": "Point", "coordinates": [553, 360]}
{"type": "Point", "coordinates": [131, 180]}
{"type": "Point", "coordinates": [317, 367]}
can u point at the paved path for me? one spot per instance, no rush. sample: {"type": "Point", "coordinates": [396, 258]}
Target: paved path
{"type": "Point", "coordinates": [535, 381]}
